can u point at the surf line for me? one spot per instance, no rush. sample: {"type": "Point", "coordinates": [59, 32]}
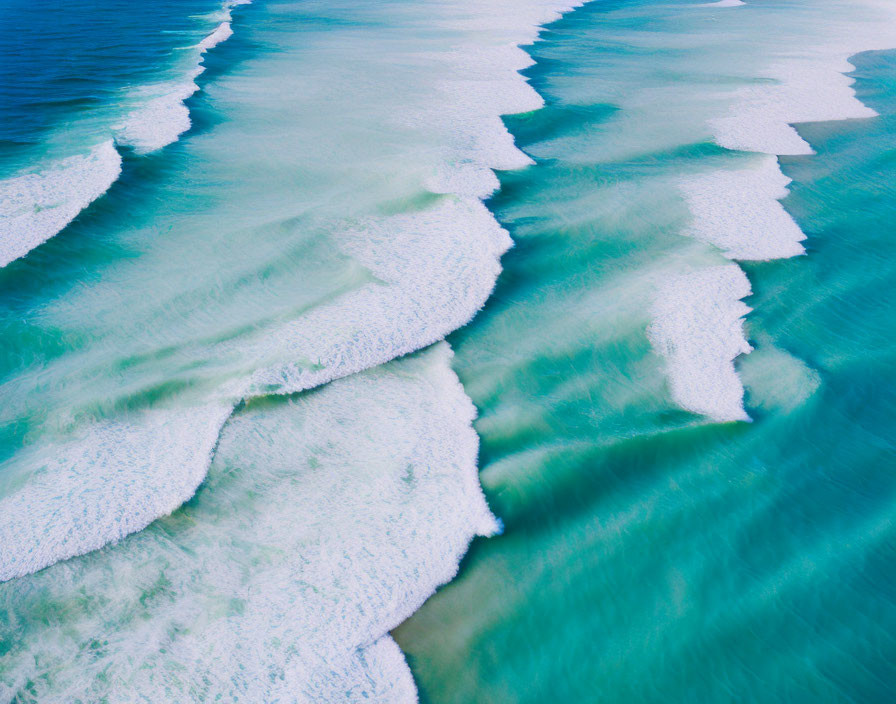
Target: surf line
{"type": "Point", "coordinates": [409, 315]}
{"type": "Point", "coordinates": [37, 205]}
{"type": "Point", "coordinates": [699, 315]}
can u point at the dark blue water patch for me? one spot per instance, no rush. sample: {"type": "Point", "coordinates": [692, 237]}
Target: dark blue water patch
{"type": "Point", "coordinates": [89, 244]}
{"type": "Point", "coordinates": [61, 59]}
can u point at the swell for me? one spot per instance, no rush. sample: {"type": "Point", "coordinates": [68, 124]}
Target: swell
{"type": "Point", "coordinates": [699, 316]}
{"type": "Point", "coordinates": [164, 116]}
{"type": "Point", "coordinates": [38, 204]}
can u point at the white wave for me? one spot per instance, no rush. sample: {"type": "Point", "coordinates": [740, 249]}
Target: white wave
{"type": "Point", "coordinates": [161, 119]}
{"type": "Point", "coordinates": [724, 3]}
{"type": "Point", "coordinates": [329, 518]}
{"type": "Point", "coordinates": [112, 480]}
{"type": "Point", "coordinates": [222, 33]}
{"type": "Point", "coordinates": [739, 211]}
{"type": "Point", "coordinates": [35, 206]}
{"type": "Point", "coordinates": [480, 81]}
{"type": "Point", "coordinates": [437, 268]}
{"type": "Point", "coordinates": [763, 115]}
{"type": "Point", "coordinates": [698, 327]}
{"type": "Point", "coordinates": [808, 85]}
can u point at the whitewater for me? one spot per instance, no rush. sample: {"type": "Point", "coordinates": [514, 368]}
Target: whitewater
{"type": "Point", "coordinates": [699, 315]}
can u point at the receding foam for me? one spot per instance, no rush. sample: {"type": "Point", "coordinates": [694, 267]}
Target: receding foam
{"type": "Point", "coordinates": [435, 269]}
{"type": "Point", "coordinates": [35, 206]}
{"type": "Point", "coordinates": [809, 85]}
{"type": "Point", "coordinates": [115, 478]}
{"type": "Point", "coordinates": [698, 323]}
{"type": "Point", "coordinates": [762, 116]}
{"type": "Point", "coordinates": [698, 327]}
{"type": "Point", "coordinates": [739, 211]}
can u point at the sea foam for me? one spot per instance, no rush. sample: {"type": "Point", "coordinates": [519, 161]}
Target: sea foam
{"type": "Point", "coordinates": [435, 269]}
{"type": "Point", "coordinates": [328, 519]}
{"type": "Point", "coordinates": [163, 114]}
{"type": "Point", "coordinates": [738, 210]}
{"type": "Point", "coordinates": [698, 327]}
{"type": "Point", "coordinates": [806, 83]}
{"type": "Point", "coordinates": [35, 206]}
{"type": "Point", "coordinates": [115, 478]}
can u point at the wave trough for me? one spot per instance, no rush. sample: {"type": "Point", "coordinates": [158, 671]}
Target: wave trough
{"type": "Point", "coordinates": [35, 206]}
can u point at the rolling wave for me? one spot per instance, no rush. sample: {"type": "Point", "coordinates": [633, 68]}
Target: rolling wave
{"type": "Point", "coordinates": [38, 204]}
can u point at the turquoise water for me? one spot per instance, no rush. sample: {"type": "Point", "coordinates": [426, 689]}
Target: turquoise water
{"type": "Point", "coordinates": [648, 557]}
{"type": "Point", "coordinates": [219, 483]}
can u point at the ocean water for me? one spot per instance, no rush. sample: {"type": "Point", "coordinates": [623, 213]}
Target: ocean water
{"type": "Point", "coordinates": [650, 556]}
{"type": "Point", "coordinates": [237, 453]}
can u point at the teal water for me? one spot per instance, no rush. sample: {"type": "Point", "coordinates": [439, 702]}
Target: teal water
{"type": "Point", "coordinates": [218, 482]}
{"type": "Point", "coordinates": [648, 557]}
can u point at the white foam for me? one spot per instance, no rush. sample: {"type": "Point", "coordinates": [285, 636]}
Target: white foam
{"type": "Point", "coordinates": [222, 33]}
{"type": "Point", "coordinates": [328, 520]}
{"type": "Point", "coordinates": [807, 85]}
{"type": "Point", "coordinates": [724, 3]}
{"type": "Point", "coordinates": [813, 90]}
{"type": "Point", "coordinates": [739, 211]}
{"type": "Point", "coordinates": [162, 118]}
{"type": "Point", "coordinates": [484, 83]}
{"type": "Point", "coordinates": [437, 266]}
{"type": "Point", "coordinates": [698, 327]}
{"type": "Point", "coordinates": [115, 478]}
{"type": "Point", "coordinates": [35, 206]}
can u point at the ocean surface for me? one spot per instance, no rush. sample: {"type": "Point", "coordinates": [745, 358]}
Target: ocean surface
{"type": "Point", "coordinates": [300, 297]}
